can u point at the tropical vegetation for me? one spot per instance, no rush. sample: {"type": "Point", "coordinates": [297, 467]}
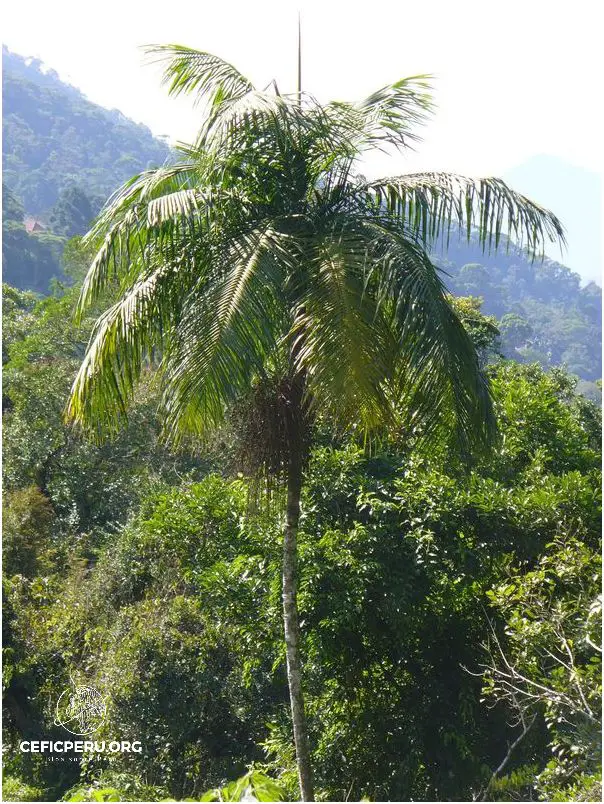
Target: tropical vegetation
{"type": "Point", "coordinates": [279, 420]}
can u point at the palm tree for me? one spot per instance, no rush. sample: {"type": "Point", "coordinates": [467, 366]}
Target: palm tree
{"type": "Point", "coordinates": [262, 253]}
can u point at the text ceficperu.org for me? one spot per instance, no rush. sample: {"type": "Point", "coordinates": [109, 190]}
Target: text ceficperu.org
{"type": "Point", "coordinates": [80, 746]}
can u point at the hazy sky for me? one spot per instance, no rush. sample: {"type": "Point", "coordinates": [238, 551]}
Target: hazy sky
{"type": "Point", "coordinates": [513, 79]}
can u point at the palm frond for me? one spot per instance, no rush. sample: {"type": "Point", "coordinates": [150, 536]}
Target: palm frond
{"type": "Point", "coordinates": [155, 215]}
{"type": "Point", "coordinates": [428, 204]}
{"type": "Point", "coordinates": [119, 228]}
{"type": "Point", "coordinates": [189, 70]}
{"type": "Point", "coordinates": [389, 116]}
{"type": "Point", "coordinates": [227, 332]}
{"type": "Point", "coordinates": [438, 375]}
{"type": "Point", "coordinates": [239, 124]}
{"type": "Point", "coordinates": [144, 186]}
{"type": "Point", "coordinates": [122, 341]}
{"type": "Point", "coordinates": [340, 339]}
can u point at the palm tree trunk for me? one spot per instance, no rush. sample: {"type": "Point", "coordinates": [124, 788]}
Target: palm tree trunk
{"type": "Point", "coordinates": [290, 604]}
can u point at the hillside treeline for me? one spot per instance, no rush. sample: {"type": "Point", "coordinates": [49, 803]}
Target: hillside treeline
{"type": "Point", "coordinates": [55, 138]}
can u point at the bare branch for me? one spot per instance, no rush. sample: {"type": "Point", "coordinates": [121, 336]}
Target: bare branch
{"type": "Point", "coordinates": [504, 762]}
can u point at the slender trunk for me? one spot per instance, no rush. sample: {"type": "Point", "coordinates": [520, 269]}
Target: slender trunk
{"type": "Point", "coordinates": [290, 604]}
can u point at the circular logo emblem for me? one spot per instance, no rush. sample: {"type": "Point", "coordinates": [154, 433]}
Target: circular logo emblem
{"type": "Point", "coordinates": [81, 710]}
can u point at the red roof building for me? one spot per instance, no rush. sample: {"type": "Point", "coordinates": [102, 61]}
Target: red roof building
{"type": "Point", "coordinates": [32, 225]}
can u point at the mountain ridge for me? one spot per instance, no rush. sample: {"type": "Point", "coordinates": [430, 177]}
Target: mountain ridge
{"type": "Point", "coordinates": [54, 137]}
{"type": "Point", "coordinates": [556, 184]}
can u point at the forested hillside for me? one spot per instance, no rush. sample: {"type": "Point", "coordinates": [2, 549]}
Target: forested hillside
{"type": "Point", "coordinates": [62, 157]}
{"type": "Point", "coordinates": [545, 315]}
{"type": "Point", "coordinates": [29, 259]}
{"type": "Point", "coordinates": [54, 138]}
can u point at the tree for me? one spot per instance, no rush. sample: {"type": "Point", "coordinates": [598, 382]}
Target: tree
{"type": "Point", "coordinates": [552, 662]}
{"type": "Point", "coordinates": [12, 208]}
{"type": "Point", "coordinates": [482, 329]}
{"type": "Point", "coordinates": [72, 214]}
{"type": "Point", "coordinates": [42, 352]}
{"type": "Point", "coordinates": [28, 260]}
{"type": "Point", "coordinates": [263, 262]}
{"type": "Point", "coordinates": [515, 331]}
{"type": "Point", "coordinates": [398, 551]}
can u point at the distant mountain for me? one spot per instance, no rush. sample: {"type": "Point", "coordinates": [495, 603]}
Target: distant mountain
{"type": "Point", "coordinates": [545, 314]}
{"type": "Point", "coordinates": [54, 138]}
{"type": "Point", "coordinates": [574, 194]}
{"type": "Point", "coordinates": [62, 157]}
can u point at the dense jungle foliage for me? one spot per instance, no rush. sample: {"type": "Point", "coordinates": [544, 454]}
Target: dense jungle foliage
{"type": "Point", "coordinates": [545, 315]}
{"type": "Point", "coordinates": [450, 615]}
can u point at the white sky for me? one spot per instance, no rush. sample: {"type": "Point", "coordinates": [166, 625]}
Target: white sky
{"type": "Point", "coordinates": [513, 79]}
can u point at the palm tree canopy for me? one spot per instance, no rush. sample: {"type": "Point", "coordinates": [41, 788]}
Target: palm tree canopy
{"type": "Point", "coordinates": [263, 244]}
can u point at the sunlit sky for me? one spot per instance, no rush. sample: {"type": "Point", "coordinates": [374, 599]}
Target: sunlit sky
{"type": "Point", "coordinates": [513, 80]}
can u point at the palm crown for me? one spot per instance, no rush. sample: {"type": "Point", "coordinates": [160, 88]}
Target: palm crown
{"type": "Point", "coordinates": [262, 246]}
